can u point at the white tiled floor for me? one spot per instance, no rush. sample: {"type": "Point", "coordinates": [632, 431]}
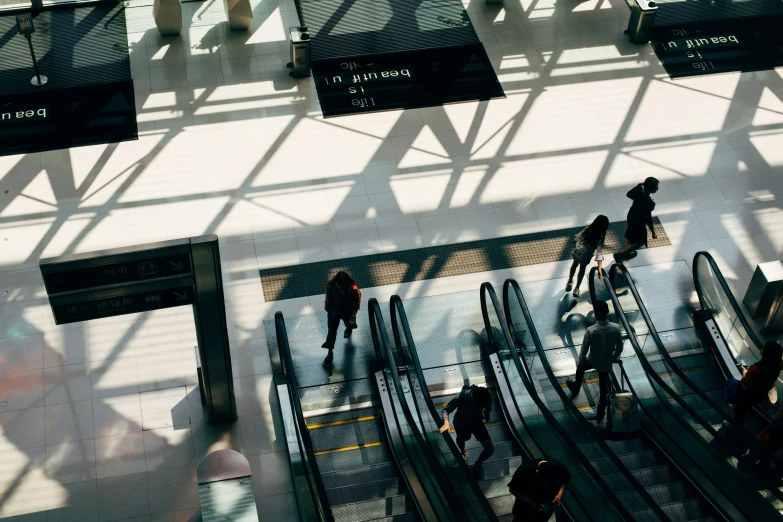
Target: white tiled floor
{"type": "Point", "coordinates": [101, 421]}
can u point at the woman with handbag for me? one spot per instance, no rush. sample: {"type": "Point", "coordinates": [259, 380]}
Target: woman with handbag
{"type": "Point", "coordinates": [586, 243]}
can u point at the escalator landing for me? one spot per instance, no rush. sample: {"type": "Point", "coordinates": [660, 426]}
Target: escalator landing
{"type": "Point", "coordinates": [306, 334]}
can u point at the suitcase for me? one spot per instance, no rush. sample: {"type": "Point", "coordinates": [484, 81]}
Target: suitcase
{"type": "Point", "coordinates": [624, 416]}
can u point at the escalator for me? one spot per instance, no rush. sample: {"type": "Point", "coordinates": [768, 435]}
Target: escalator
{"type": "Point", "coordinates": [697, 378]}
{"type": "Point", "coordinates": [450, 351]}
{"type": "Point", "coordinates": [674, 425]}
{"type": "Point", "coordinates": [647, 484]}
{"type": "Point", "coordinates": [353, 453]}
{"type": "Point", "coordinates": [725, 329]}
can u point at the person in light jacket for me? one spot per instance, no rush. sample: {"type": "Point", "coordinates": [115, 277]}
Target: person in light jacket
{"type": "Point", "coordinates": [586, 243]}
{"type": "Point", "coordinates": [602, 345]}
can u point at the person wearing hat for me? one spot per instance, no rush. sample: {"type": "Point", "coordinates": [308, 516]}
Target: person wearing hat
{"type": "Point", "coordinates": [538, 486]}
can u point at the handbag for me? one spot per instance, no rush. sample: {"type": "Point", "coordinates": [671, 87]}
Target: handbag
{"type": "Point", "coordinates": [733, 389]}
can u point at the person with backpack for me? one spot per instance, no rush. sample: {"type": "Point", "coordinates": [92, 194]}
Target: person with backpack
{"type": "Point", "coordinates": [342, 302]}
{"type": "Point", "coordinates": [602, 345]}
{"type": "Point", "coordinates": [758, 382]}
{"type": "Point", "coordinates": [473, 407]}
{"type": "Point", "coordinates": [538, 486]}
{"type": "Point", "coordinates": [639, 219]}
{"type": "Point", "coordinates": [586, 243]}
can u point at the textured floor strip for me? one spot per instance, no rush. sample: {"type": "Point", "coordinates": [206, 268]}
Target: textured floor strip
{"type": "Point", "coordinates": [405, 266]}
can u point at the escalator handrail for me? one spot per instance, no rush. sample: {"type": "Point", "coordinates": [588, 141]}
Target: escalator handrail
{"type": "Point", "coordinates": [726, 290]}
{"type": "Point", "coordinates": [402, 327]}
{"type": "Point", "coordinates": [383, 351]}
{"type": "Point", "coordinates": [748, 438]}
{"type": "Point", "coordinates": [653, 375]}
{"type": "Point", "coordinates": [507, 327]}
{"type": "Point", "coordinates": [648, 369]}
{"type": "Point", "coordinates": [317, 489]}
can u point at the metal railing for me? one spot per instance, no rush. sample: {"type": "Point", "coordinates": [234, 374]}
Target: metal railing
{"type": "Point", "coordinates": [311, 496]}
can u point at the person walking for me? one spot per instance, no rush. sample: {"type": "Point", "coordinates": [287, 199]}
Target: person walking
{"type": "Point", "coordinates": [758, 381]}
{"type": "Point", "coordinates": [586, 243]}
{"type": "Point", "coordinates": [538, 486]}
{"type": "Point", "coordinates": [473, 406]}
{"type": "Point", "coordinates": [639, 219]}
{"type": "Point", "coordinates": [342, 301]}
{"type": "Point", "coordinates": [602, 345]}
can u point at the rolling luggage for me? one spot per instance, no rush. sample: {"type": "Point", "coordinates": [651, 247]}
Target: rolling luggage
{"type": "Point", "coordinates": [624, 417]}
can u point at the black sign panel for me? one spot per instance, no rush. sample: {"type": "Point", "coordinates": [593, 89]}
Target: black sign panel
{"type": "Point", "coordinates": [405, 80]}
{"type": "Point", "coordinates": [718, 47]}
{"type": "Point", "coordinates": [125, 304]}
{"type": "Point", "coordinates": [125, 271]}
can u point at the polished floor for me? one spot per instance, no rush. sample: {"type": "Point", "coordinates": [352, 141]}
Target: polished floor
{"type": "Point", "coordinates": [100, 421]}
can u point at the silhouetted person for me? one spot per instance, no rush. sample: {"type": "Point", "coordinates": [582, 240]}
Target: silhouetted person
{"type": "Point", "coordinates": [603, 344]}
{"type": "Point", "coordinates": [473, 405]}
{"type": "Point", "coordinates": [343, 299]}
{"type": "Point", "coordinates": [586, 243]}
{"type": "Point", "coordinates": [639, 219]}
{"type": "Point", "coordinates": [758, 381]}
{"type": "Point", "coordinates": [538, 486]}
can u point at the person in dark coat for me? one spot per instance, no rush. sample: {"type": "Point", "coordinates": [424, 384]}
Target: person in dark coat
{"type": "Point", "coordinates": [538, 486]}
{"type": "Point", "coordinates": [639, 219]}
{"type": "Point", "coordinates": [473, 406]}
{"type": "Point", "coordinates": [758, 381]}
{"type": "Point", "coordinates": [342, 301]}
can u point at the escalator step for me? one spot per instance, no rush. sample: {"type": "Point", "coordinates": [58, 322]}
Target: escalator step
{"type": "Point", "coordinates": [645, 515]}
{"type": "Point", "coordinates": [639, 460]}
{"type": "Point", "coordinates": [503, 450]}
{"type": "Point", "coordinates": [621, 447]}
{"type": "Point", "coordinates": [698, 360]}
{"type": "Point", "coordinates": [342, 416]}
{"type": "Point", "coordinates": [496, 468]}
{"type": "Point", "coordinates": [495, 487]}
{"type": "Point", "coordinates": [654, 476]}
{"type": "Point", "coordinates": [374, 509]}
{"type": "Point", "coordinates": [368, 491]}
{"type": "Point", "coordinates": [344, 461]}
{"type": "Point", "coordinates": [686, 510]}
{"type": "Point", "coordinates": [348, 435]}
{"type": "Point", "coordinates": [357, 476]}
{"type": "Point", "coordinates": [501, 505]}
{"type": "Point", "coordinates": [405, 517]}
{"type": "Point", "coordinates": [669, 493]}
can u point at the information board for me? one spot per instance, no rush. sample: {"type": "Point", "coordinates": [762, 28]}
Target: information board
{"type": "Point", "coordinates": [123, 271]}
{"type": "Point", "coordinates": [143, 278]}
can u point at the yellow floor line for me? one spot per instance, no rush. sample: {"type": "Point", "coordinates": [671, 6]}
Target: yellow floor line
{"type": "Point", "coordinates": [349, 448]}
{"type": "Point", "coordinates": [586, 381]}
{"type": "Point", "coordinates": [341, 422]}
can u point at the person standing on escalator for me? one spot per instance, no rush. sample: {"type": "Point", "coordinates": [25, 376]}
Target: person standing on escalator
{"type": "Point", "coordinates": [342, 302]}
{"type": "Point", "coordinates": [474, 406]}
{"type": "Point", "coordinates": [538, 486]}
{"type": "Point", "coordinates": [602, 345]}
{"type": "Point", "coordinates": [758, 382]}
